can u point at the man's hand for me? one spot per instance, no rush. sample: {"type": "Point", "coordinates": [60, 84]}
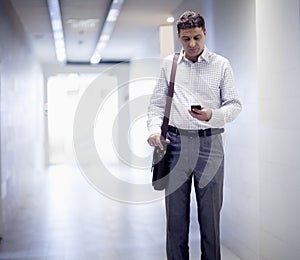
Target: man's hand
{"type": "Point", "coordinates": [155, 140]}
{"type": "Point", "coordinates": [203, 115]}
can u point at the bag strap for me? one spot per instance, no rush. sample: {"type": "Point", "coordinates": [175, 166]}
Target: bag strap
{"type": "Point", "coordinates": [164, 127]}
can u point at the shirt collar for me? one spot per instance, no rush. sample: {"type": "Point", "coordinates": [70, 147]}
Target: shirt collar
{"type": "Point", "coordinates": [203, 56]}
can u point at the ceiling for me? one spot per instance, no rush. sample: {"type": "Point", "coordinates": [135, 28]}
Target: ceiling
{"type": "Point", "coordinates": [135, 34]}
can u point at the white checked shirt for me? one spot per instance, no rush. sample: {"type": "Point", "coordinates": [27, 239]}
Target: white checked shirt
{"type": "Point", "coordinates": [208, 82]}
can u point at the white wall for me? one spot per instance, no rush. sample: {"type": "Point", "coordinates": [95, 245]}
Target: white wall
{"type": "Point", "coordinates": [235, 38]}
{"type": "Point", "coordinates": [260, 217]}
{"type": "Point", "coordinates": [278, 47]}
{"type": "Point", "coordinates": [22, 132]}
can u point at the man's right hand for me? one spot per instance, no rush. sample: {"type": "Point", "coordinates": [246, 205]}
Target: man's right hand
{"type": "Point", "coordinates": [155, 140]}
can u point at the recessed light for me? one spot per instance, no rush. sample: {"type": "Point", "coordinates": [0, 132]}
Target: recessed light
{"type": "Point", "coordinates": [170, 19]}
{"type": "Point", "coordinates": [83, 24]}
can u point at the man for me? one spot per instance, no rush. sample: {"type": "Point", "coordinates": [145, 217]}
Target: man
{"type": "Point", "coordinates": [195, 146]}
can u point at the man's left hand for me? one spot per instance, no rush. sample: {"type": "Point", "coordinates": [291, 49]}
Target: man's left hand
{"type": "Point", "coordinates": [203, 115]}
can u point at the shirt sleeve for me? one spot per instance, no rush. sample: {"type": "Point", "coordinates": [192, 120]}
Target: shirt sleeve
{"type": "Point", "coordinates": [230, 102]}
{"type": "Point", "coordinates": [157, 104]}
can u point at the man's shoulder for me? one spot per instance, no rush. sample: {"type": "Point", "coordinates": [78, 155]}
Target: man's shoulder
{"type": "Point", "coordinates": [215, 57]}
{"type": "Point", "coordinates": [169, 57]}
{"type": "Point", "coordinates": [167, 61]}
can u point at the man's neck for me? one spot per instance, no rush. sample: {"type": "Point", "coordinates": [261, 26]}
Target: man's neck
{"type": "Point", "coordinates": [193, 59]}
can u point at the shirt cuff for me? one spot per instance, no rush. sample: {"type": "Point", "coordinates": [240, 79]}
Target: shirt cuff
{"type": "Point", "coordinates": [154, 130]}
{"type": "Point", "coordinates": [217, 118]}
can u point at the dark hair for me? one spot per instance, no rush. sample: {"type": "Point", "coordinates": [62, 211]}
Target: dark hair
{"type": "Point", "coordinates": [190, 19]}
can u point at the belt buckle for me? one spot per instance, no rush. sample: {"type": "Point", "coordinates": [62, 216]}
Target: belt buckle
{"type": "Point", "coordinates": [207, 132]}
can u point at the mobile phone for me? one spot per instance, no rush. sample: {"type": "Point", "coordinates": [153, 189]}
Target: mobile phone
{"type": "Point", "coordinates": [197, 107]}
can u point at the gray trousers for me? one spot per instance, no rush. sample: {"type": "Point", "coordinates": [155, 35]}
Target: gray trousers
{"type": "Point", "coordinates": [202, 159]}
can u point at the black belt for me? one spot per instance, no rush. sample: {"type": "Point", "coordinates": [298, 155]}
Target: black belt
{"type": "Point", "coordinates": [201, 133]}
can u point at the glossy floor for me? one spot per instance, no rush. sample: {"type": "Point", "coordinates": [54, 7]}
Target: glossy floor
{"type": "Point", "coordinates": [68, 219]}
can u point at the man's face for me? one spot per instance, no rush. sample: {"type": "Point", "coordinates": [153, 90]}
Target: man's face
{"type": "Point", "coordinates": [192, 41]}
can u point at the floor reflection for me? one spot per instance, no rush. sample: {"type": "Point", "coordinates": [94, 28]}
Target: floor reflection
{"type": "Point", "coordinates": [68, 219]}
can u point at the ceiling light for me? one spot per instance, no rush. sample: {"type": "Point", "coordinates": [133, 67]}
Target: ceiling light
{"type": "Point", "coordinates": [57, 29]}
{"type": "Point", "coordinates": [170, 19]}
{"type": "Point", "coordinates": [112, 15]}
{"type": "Point", "coordinates": [61, 54]}
{"type": "Point", "coordinates": [58, 35]}
{"type": "Point", "coordinates": [83, 24]}
{"type": "Point", "coordinates": [101, 46]}
{"type": "Point", "coordinates": [95, 58]}
{"type": "Point", "coordinates": [60, 44]}
{"type": "Point", "coordinates": [104, 37]}
{"type": "Point", "coordinates": [107, 29]}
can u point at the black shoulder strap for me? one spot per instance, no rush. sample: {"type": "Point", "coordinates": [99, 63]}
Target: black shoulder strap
{"type": "Point", "coordinates": [164, 127]}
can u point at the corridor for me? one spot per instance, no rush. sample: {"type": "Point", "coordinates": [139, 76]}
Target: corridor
{"type": "Point", "coordinates": [59, 95]}
{"type": "Point", "coordinates": [67, 219]}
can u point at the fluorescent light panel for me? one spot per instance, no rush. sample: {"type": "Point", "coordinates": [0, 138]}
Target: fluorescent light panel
{"type": "Point", "coordinates": [108, 27]}
{"type": "Point", "coordinates": [57, 29]}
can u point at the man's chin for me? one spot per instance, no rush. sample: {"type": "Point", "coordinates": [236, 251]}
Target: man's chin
{"type": "Point", "coordinates": [194, 53]}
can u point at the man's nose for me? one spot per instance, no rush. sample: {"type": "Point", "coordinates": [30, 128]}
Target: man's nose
{"type": "Point", "coordinates": [192, 43]}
